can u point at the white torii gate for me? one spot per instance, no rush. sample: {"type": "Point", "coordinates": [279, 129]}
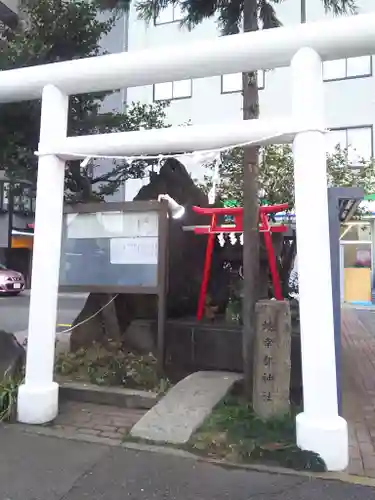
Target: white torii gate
{"type": "Point", "coordinates": [319, 427]}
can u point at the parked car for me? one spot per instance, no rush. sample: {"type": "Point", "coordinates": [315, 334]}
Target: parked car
{"type": "Point", "coordinates": [11, 282]}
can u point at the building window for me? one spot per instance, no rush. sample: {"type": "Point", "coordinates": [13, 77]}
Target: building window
{"type": "Point", "coordinates": [232, 82]}
{"type": "Point", "coordinates": [4, 195]}
{"type": "Point", "coordinates": [354, 67]}
{"type": "Point", "coordinates": [357, 140]}
{"type": "Point", "coordinates": [181, 89]}
{"type": "Point", "coordinates": [171, 14]}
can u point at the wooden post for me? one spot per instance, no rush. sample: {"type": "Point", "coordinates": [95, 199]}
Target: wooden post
{"type": "Point", "coordinates": [272, 358]}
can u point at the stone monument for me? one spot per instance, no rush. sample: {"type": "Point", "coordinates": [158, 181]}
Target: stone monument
{"type": "Point", "coordinates": [272, 359]}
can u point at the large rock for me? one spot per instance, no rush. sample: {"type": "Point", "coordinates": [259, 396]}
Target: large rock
{"type": "Point", "coordinates": [185, 267]}
{"type": "Point", "coordinates": [186, 257]}
{"type": "Point", "coordinates": [12, 355]}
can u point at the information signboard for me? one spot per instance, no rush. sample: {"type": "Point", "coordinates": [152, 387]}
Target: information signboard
{"type": "Point", "coordinates": [111, 247]}
{"type": "Point", "coordinates": [117, 248]}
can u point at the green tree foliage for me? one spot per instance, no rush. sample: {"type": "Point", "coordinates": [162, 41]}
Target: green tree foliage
{"type": "Point", "coordinates": [229, 15]}
{"type": "Point", "coordinates": [276, 177]}
{"type": "Point", "coordinates": [61, 30]}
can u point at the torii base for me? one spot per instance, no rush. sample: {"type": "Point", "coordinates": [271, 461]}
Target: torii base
{"type": "Point", "coordinates": [37, 404]}
{"type": "Point", "coordinates": [326, 436]}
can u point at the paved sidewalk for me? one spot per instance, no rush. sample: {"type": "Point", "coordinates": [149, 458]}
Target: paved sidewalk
{"type": "Point", "coordinates": [89, 422]}
{"type": "Point", "coordinates": [44, 468]}
{"type": "Point", "coordinates": [358, 364]}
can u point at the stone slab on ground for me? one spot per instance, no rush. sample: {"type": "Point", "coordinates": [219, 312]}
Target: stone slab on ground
{"type": "Point", "coordinates": [44, 468]}
{"type": "Point", "coordinates": [184, 408]}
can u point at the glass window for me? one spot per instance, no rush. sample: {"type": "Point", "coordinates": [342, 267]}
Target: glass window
{"type": "Point", "coordinates": [360, 143]}
{"type": "Point", "coordinates": [357, 140]}
{"type": "Point", "coordinates": [232, 82]}
{"type": "Point", "coordinates": [163, 91]}
{"type": "Point", "coordinates": [357, 255]}
{"type": "Point", "coordinates": [334, 70]}
{"type": "Point", "coordinates": [171, 14]}
{"type": "Point", "coordinates": [349, 233]}
{"type": "Point", "coordinates": [17, 203]}
{"type": "Point", "coordinates": [26, 202]}
{"type": "Point", "coordinates": [181, 89]}
{"type": "Point", "coordinates": [358, 66]}
{"type": "Point", "coordinates": [336, 138]}
{"type": "Point", "coordinates": [5, 195]}
{"type": "Point", "coordinates": [2, 188]}
{"type": "Point", "coordinates": [353, 67]}
{"type": "Point", "coordinates": [177, 13]}
{"type": "Point", "coordinates": [355, 232]}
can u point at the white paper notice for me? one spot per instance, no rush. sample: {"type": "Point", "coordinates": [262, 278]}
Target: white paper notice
{"type": "Point", "coordinates": [134, 251]}
{"type": "Point", "coordinates": [112, 224]}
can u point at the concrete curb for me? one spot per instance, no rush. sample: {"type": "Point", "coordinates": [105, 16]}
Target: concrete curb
{"type": "Point", "coordinates": [113, 396]}
{"type": "Point", "coordinates": [47, 431]}
{"type": "Point", "coordinates": [327, 476]}
{"type": "Point", "coordinates": [63, 295]}
{"type": "Point", "coordinates": [267, 469]}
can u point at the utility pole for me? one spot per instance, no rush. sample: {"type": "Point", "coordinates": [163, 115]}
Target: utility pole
{"type": "Point", "coordinates": [10, 221]}
{"type": "Point", "coordinates": [250, 213]}
{"type": "Point", "coordinates": [303, 11]}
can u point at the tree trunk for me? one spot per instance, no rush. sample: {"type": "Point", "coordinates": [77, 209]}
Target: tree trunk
{"type": "Point", "coordinates": [250, 205]}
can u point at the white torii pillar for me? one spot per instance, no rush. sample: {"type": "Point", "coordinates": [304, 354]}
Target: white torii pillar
{"type": "Point", "coordinates": [319, 427]}
{"type": "Point", "coordinates": [38, 395]}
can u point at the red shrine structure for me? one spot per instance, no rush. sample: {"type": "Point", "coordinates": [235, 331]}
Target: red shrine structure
{"type": "Point", "coordinates": [215, 229]}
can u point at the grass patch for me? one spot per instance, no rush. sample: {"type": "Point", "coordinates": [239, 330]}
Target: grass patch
{"type": "Point", "coordinates": [233, 432]}
{"type": "Point", "coordinates": [111, 366]}
{"type": "Point", "coordinates": [8, 398]}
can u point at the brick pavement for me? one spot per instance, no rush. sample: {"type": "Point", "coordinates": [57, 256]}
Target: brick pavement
{"type": "Point", "coordinates": [358, 379]}
{"type": "Point", "coordinates": [108, 424]}
{"type": "Point", "coordinates": [90, 422]}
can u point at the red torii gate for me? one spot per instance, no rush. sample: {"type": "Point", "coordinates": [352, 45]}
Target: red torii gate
{"type": "Point", "coordinates": [237, 227]}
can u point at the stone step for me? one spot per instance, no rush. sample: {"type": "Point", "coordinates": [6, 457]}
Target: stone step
{"type": "Point", "coordinates": [185, 407]}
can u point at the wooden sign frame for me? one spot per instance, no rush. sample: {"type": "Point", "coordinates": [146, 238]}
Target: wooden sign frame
{"type": "Point", "coordinates": [161, 288]}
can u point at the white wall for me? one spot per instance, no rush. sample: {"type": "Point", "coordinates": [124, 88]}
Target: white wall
{"type": "Point", "coordinates": [207, 104]}
{"type": "Point", "coordinates": [349, 102]}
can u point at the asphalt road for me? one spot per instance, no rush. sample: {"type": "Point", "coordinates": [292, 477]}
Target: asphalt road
{"type": "Point", "coordinates": [36, 467]}
{"type": "Point", "coordinates": [14, 311]}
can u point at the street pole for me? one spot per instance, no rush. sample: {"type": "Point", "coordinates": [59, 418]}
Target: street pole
{"type": "Point", "coordinates": [303, 11]}
{"type": "Point", "coordinates": [10, 222]}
